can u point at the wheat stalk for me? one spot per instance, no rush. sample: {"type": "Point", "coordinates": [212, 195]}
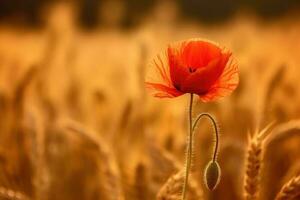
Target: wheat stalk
{"type": "Point", "coordinates": [162, 160]}
{"type": "Point", "coordinates": [290, 190]}
{"type": "Point", "coordinates": [271, 82]}
{"type": "Point", "coordinates": [283, 131]}
{"type": "Point", "coordinates": [109, 172]}
{"type": "Point", "coordinates": [253, 165]}
{"type": "Point", "coordinates": [172, 189]}
{"type": "Point", "coordinates": [141, 181]}
{"type": "Point", "coordinates": [11, 194]}
{"type": "Point", "coordinates": [39, 162]}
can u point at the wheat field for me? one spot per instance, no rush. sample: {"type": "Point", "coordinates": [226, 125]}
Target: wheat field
{"type": "Point", "coordinates": [77, 123]}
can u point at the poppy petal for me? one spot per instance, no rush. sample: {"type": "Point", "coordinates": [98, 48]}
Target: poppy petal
{"type": "Point", "coordinates": [158, 80]}
{"type": "Point", "coordinates": [202, 80]}
{"type": "Point", "coordinates": [193, 66]}
{"type": "Point", "coordinates": [162, 91]}
{"type": "Point", "coordinates": [224, 86]}
{"type": "Point", "coordinates": [178, 71]}
{"type": "Point", "coordinates": [199, 53]}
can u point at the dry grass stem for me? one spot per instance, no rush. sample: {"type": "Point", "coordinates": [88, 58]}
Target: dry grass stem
{"type": "Point", "coordinates": [109, 173]}
{"type": "Point", "coordinates": [290, 190]}
{"type": "Point", "coordinates": [253, 165]}
{"type": "Point", "coordinates": [172, 189]}
{"type": "Point", "coordinates": [283, 131]}
{"type": "Point", "coordinates": [12, 195]}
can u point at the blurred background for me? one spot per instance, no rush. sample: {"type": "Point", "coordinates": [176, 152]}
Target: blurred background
{"type": "Point", "coordinates": [77, 123]}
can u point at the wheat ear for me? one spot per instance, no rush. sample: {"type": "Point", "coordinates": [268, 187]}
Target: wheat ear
{"type": "Point", "coordinates": [11, 194]}
{"type": "Point", "coordinates": [109, 171]}
{"type": "Point", "coordinates": [253, 165]}
{"type": "Point", "coordinates": [172, 189]}
{"type": "Point", "coordinates": [290, 190]}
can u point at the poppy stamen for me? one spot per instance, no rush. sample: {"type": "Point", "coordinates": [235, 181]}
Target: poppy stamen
{"type": "Point", "coordinates": [192, 70]}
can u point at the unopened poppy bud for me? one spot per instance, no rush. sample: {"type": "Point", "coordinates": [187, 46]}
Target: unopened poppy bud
{"type": "Point", "coordinates": [212, 175]}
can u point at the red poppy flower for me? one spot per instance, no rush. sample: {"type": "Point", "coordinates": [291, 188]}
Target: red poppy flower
{"type": "Point", "coordinates": [193, 66]}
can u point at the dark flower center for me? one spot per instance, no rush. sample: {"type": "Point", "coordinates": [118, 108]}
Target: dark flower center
{"type": "Point", "coordinates": [192, 70]}
{"type": "Point", "coordinates": [177, 87]}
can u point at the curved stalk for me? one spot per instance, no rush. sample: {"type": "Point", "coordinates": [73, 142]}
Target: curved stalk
{"type": "Point", "coordinates": [214, 122]}
{"type": "Point", "coordinates": [189, 150]}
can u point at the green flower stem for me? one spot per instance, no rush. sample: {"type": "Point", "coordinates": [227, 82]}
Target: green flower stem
{"type": "Point", "coordinates": [214, 122]}
{"type": "Point", "coordinates": [192, 127]}
{"type": "Point", "coordinates": [189, 150]}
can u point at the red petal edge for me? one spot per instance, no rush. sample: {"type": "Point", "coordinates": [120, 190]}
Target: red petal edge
{"type": "Point", "coordinates": [162, 91]}
{"type": "Point", "coordinates": [161, 86]}
{"type": "Point", "coordinates": [227, 82]}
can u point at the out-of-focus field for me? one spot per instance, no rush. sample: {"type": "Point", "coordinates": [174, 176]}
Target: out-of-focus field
{"type": "Point", "coordinates": [77, 123]}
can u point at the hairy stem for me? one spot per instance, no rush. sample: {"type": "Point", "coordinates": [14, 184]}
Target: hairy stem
{"type": "Point", "coordinates": [209, 116]}
{"type": "Point", "coordinates": [189, 150]}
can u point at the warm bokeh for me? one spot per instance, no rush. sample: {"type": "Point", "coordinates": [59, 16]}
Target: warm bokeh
{"type": "Point", "coordinates": [77, 124]}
